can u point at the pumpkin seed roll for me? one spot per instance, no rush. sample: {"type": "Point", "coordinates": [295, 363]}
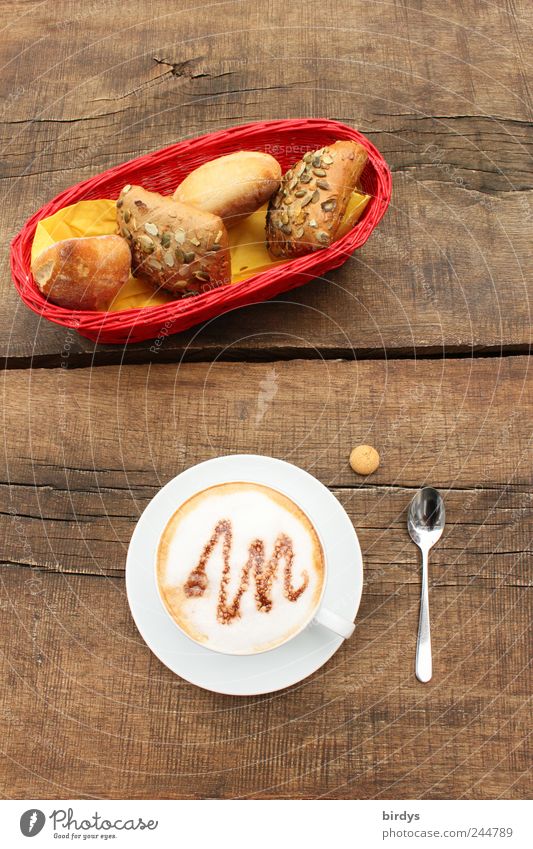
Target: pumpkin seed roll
{"type": "Point", "coordinates": [307, 210]}
{"type": "Point", "coordinates": [175, 246]}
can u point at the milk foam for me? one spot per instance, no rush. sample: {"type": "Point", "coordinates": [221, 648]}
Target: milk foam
{"type": "Point", "coordinates": [253, 513]}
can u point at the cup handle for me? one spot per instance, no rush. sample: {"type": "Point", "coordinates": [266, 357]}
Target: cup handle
{"type": "Point", "coordinates": [342, 627]}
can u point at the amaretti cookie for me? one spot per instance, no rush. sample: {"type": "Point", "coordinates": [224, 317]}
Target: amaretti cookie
{"type": "Point", "coordinates": [179, 247]}
{"type": "Point", "coordinates": [306, 212]}
{"type": "Point", "coordinates": [231, 186]}
{"type": "Point", "coordinates": [85, 273]}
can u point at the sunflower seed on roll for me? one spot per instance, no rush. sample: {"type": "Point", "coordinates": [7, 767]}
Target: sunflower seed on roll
{"type": "Point", "coordinates": [307, 210]}
{"type": "Point", "coordinates": [173, 245]}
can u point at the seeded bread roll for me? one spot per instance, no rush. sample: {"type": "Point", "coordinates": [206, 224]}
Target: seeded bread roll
{"type": "Point", "coordinates": [231, 186]}
{"type": "Point", "coordinates": [306, 212]}
{"type": "Point", "coordinates": [85, 273]}
{"type": "Point", "coordinates": [178, 247]}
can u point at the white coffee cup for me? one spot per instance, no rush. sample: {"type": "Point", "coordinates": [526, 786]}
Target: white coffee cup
{"type": "Point", "coordinates": [171, 593]}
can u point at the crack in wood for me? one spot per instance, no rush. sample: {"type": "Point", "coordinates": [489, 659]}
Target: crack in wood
{"type": "Point", "coordinates": [412, 166]}
{"type": "Point", "coordinates": [77, 519]}
{"type": "Point", "coordinates": [479, 580]}
{"type": "Point", "coordinates": [101, 355]}
{"type": "Point", "coordinates": [48, 570]}
{"type": "Point", "coordinates": [183, 70]}
{"type": "Point", "coordinates": [502, 119]}
{"type": "Point", "coordinates": [79, 119]}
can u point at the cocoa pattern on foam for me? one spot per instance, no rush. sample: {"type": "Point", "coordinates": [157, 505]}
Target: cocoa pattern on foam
{"type": "Point", "coordinates": [264, 573]}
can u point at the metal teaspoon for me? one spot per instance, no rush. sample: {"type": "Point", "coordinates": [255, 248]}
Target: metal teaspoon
{"type": "Point", "coordinates": [425, 523]}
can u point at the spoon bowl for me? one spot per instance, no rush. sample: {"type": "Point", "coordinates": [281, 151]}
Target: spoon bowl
{"type": "Point", "coordinates": [427, 517]}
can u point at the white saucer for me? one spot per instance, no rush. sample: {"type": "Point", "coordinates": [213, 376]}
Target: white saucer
{"type": "Point", "coordinates": [271, 670]}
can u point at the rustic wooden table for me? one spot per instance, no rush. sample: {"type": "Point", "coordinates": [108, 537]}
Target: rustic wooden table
{"type": "Point", "coordinates": [418, 345]}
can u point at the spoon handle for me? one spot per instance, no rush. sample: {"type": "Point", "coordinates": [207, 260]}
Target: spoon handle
{"type": "Point", "coordinates": [423, 664]}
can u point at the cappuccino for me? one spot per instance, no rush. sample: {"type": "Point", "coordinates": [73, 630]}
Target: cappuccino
{"type": "Point", "coordinates": [240, 568]}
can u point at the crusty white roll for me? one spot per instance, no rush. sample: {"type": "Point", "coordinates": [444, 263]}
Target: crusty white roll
{"type": "Point", "coordinates": [306, 212]}
{"type": "Point", "coordinates": [179, 247]}
{"type": "Point", "coordinates": [231, 186]}
{"type": "Point", "coordinates": [85, 273]}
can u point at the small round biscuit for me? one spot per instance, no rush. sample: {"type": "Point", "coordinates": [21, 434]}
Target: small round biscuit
{"type": "Point", "coordinates": [364, 459]}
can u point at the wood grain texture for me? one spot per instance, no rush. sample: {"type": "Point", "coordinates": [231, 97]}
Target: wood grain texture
{"type": "Point", "coordinates": [86, 450]}
{"type": "Point", "coordinates": [444, 96]}
{"type": "Point", "coordinates": [78, 478]}
{"type": "Point", "coordinates": [89, 711]}
{"type": "Point", "coordinates": [85, 709]}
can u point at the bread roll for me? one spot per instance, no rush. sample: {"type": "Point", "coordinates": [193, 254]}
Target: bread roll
{"type": "Point", "coordinates": [231, 186]}
{"type": "Point", "coordinates": [306, 212]}
{"type": "Point", "coordinates": [85, 273]}
{"type": "Point", "coordinates": [178, 247]}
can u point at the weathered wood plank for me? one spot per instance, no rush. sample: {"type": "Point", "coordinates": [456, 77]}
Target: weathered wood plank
{"type": "Point", "coordinates": [444, 273]}
{"type": "Point", "coordinates": [85, 452]}
{"type": "Point", "coordinates": [447, 270]}
{"type": "Point", "coordinates": [89, 712]}
{"type": "Point", "coordinates": [487, 540]}
{"type": "Point", "coordinates": [403, 56]}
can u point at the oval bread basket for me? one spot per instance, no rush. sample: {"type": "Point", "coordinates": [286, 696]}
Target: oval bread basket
{"type": "Point", "coordinates": [162, 171]}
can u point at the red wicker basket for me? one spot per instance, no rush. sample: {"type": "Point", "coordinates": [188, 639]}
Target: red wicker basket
{"type": "Point", "coordinates": [162, 171]}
